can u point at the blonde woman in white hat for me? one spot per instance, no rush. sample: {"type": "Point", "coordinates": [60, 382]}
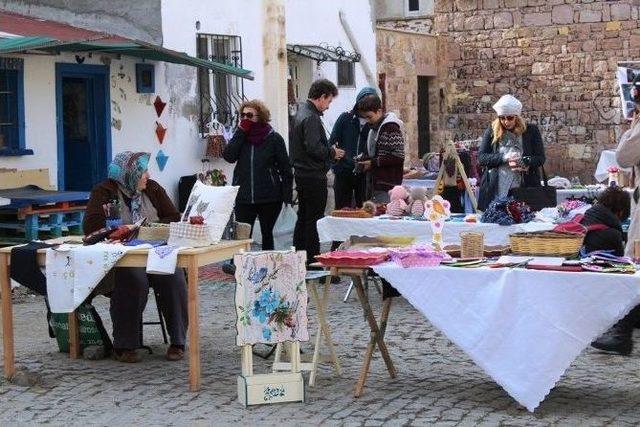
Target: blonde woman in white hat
{"type": "Point", "coordinates": [511, 153]}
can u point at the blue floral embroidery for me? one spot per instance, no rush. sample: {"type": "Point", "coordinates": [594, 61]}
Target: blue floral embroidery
{"type": "Point", "coordinates": [258, 276]}
{"type": "Point", "coordinates": [266, 334]}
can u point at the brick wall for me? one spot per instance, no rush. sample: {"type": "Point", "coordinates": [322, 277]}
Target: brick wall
{"type": "Point", "coordinates": [557, 56]}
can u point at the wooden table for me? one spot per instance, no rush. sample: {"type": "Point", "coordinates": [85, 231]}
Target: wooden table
{"type": "Point", "coordinates": [190, 259]}
{"type": "Point", "coordinates": [359, 275]}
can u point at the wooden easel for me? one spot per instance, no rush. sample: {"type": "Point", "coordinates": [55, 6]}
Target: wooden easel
{"type": "Point", "coordinates": [450, 152]}
{"type": "Point", "coordinates": [324, 330]}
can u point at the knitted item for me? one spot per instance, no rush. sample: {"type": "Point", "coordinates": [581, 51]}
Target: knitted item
{"type": "Point", "coordinates": [397, 208]}
{"type": "Point", "coordinates": [417, 208]}
{"type": "Point", "coordinates": [507, 211]}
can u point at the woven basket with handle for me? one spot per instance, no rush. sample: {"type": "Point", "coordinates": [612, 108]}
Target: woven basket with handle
{"type": "Point", "coordinates": [471, 244]}
{"type": "Point", "coordinates": [549, 243]}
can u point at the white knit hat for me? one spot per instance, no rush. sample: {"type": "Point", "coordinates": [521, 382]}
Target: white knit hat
{"type": "Point", "coordinates": [508, 105]}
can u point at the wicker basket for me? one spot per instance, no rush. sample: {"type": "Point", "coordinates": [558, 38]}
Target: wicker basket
{"type": "Point", "coordinates": [242, 230]}
{"type": "Point", "coordinates": [185, 234]}
{"type": "Point", "coordinates": [471, 244]}
{"type": "Point", "coordinates": [546, 243]}
{"type": "Point", "coordinates": [154, 231]}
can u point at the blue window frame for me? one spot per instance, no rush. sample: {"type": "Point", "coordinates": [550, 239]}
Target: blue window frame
{"type": "Point", "coordinates": [12, 108]}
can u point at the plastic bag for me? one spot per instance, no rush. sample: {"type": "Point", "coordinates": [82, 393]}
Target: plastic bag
{"type": "Point", "coordinates": [282, 230]}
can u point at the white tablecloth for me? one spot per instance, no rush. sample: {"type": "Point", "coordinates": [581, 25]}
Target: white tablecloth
{"type": "Point", "coordinates": [427, 183]}
{"type": "Point", "coordinates": [522, 327]}
{"type": "Point", "coordinates": [607, 158]}
{"type": "Point", "coordinates": [340, 229]}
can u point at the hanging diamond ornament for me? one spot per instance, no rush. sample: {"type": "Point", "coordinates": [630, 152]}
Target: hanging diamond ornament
{"type": "Point", "coordinates": [161, 159]}
{"type": "Point", "coordinates": [159, 105]}
{"type": "Point", "coordinates": [161, 131]}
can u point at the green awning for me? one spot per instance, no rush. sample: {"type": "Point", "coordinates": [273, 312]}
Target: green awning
{"type": "Point", "coordinates": [20, 44]}
{"type": "Point", "coordinates": [135, 48]}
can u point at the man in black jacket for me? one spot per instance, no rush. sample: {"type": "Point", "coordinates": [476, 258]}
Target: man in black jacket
{"type": "Point", "coordinates": [310, 155]}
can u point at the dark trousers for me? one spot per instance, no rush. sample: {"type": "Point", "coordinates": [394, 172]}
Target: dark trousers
{"type": "Point", "coordinates": [312, 200]}
{"type": "Point", "coordinates": [349, 187]}
{"type": "Point", "coordinates": [267, 214]}
{"type": "Point", "coordinates": [129, 298]}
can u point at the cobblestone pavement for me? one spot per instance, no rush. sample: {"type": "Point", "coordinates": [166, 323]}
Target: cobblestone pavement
{"type": "Point", "coordinates": [436, 384]}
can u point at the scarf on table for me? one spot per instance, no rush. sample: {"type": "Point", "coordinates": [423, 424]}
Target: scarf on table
{"type": "Point", "coordinates": [126, 169]}
{"type": "Point", "coordinates": [258, 133]}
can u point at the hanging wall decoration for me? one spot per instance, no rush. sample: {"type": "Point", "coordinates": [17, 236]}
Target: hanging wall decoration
{"type": "Point", "coordinates": [161, 159]}
{"type": "Point", "coordinates": [161, 131]}
{"type": "Point", "coordinates": [159, 106]}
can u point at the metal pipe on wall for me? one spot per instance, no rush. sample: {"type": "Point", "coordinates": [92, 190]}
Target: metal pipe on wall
{"type": "Point", "coordinates": [354, 44]}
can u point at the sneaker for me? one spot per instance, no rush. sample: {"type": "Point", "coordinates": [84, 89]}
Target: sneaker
{"type": "Point", "coordinates": [174, 353]}
{"type": "Point", "coordinates": [229, 268]}
{"type": "Point", "coordinates": [125, 355]}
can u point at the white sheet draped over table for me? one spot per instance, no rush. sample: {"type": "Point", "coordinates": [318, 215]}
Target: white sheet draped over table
{"type": "Point", "coordinates": [522, 327]}
{"type": "Point", "coordinates": [340, 229]}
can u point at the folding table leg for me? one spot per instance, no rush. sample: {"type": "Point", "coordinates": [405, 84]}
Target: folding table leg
{"type": "Point", "coordinates": [74, 336]}
{"type": "Point", "coordinates": [376, 337]}
{"type": "Point", "coordinates": [316, 349]}
{"type": "Point", "coordinates": [193, 332]}
{"type": "Point", "coordinates": [326, 329]}
{"type": "Point", "coordinates": [7, 318]}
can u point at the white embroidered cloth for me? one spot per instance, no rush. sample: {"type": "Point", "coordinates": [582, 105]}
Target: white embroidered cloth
{"type": "Point", "coordinates": [74, 271]}
{"type": "Point", "coordinates": [522, 327]}
{"type": "Point", "coordinates": [163, 259]}
{"type": "Point", "coordinates": [340, 229]}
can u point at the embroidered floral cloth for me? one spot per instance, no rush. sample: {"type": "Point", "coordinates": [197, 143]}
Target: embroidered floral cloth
{"type": "Point", "coordinates": [74, 271]}
{"type": "Point", "coordinates": [271, 297]}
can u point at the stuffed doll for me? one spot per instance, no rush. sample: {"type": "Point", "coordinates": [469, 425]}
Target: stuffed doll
{"type": "Point", "coordinates": [397, 205]}
{"type": "Point", "coordinates": [418, 197]}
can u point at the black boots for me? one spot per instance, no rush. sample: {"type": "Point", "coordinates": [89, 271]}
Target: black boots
{"type": "Point", "coordinates": [619, 339]}
{"type": "Point", "coordinates": [615, 340]}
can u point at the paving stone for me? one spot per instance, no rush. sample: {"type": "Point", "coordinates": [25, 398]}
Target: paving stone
{"type": "Point", "coordinates": [437, 383]}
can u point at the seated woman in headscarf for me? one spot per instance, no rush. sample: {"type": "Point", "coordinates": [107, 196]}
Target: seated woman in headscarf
{"type": "Point", "coordinates": [139, 197]}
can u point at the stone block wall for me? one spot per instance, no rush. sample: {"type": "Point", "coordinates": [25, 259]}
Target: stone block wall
{"type": "Point", "coordinates": [558, 57]}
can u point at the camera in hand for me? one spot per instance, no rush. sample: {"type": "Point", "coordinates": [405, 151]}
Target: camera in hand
{"type": "Point", "coordinates": [358, 168]}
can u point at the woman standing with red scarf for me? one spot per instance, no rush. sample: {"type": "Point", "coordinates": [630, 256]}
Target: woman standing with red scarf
{"type": "Point", "coordinates": [262, 169]}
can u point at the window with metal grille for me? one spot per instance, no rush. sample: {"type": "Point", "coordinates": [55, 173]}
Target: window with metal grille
{"type": "Point", "coordinates": [413, 5]}
{"type": "Point", "coordinates": [220, 94]}
{"type": "Point", "coordinates": [346, 73]}
{"type": "Point", "coordinates": [12, 108]}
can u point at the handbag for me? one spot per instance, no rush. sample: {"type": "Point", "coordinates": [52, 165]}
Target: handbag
{"type": "Point", "coordinates": [536, 197]}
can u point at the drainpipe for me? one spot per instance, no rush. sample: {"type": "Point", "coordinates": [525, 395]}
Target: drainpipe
{"type": "Point", "coordinates": [274, 46]}
{"type": "Point", "coordinates": [354, 44]}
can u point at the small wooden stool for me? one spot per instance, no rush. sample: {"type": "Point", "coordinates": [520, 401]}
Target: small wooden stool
{"type": "Point", "coordinates": [313, 278]}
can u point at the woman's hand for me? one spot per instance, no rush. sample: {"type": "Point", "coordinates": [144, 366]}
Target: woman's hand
{"type": "Point", "coordinates": [365, 165]}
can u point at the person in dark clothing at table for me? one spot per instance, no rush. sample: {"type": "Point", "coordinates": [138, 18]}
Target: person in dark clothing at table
{"type": "Point", "coordinates": [604, 218]}
{"type": "Point", "coordinates": [350, 133]}
{"type": "Point", "coordinates": [262, 170]}
{"type": "Point", "coordinates": [138, 197]}
{"type": "Point", "coordinates": [511, 153]}
{"type": "Point", "coordinates": [603, 222]}
{"type": "Point", "coordinates": [310, 156]}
